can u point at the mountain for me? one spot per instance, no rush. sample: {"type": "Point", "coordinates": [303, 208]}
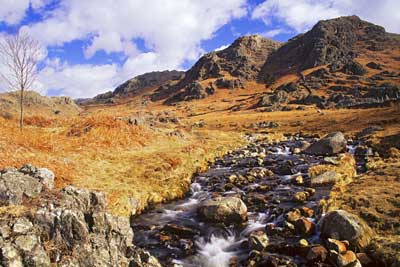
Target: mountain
{"type": "Point", "coordinates": [34, 104]}
{"type": "Point", "coordinates": [241, 61]}
{"type": "Point", "coordinates": [135, 86]}
{"type": "Point", "coordinates": [330, 41]}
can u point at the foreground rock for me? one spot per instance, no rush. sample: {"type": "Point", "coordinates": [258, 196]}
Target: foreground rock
{"type": "Point", "coordinates": [43, 228]}
{"type": "Point", "coordinates": [331, 144]}
{"type": "Point", "coordinates": [342, 225]}
{"type": "Point", "coordinates": [226, 210]}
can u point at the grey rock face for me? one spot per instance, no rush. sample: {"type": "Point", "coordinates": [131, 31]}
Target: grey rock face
{"type": "Point", "coordinates": [15, 186]}
{"type": "Point", "coordinates": [331, 144]}
{"type": "Point", "coordinates": [65, 228]}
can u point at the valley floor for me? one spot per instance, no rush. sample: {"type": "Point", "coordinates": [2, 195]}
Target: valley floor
{"type": "Point", "coordinates": [143, 158]}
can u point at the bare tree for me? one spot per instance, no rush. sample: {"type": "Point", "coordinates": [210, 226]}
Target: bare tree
{"type": "Point", "coordinates": [19, 55]}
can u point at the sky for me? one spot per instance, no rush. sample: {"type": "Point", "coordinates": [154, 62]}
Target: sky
{"type": "Point", "coordinates": [91, 46]}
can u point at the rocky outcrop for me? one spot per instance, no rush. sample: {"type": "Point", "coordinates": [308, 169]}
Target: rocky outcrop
{"type": "Point", "coordinates": [331, 144]}
{"type": "Point", "coordinates": [71, 227]}
{"type": "Point", "coordinates": [226, 210]}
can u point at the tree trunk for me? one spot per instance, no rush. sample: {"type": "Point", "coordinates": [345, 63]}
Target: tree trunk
{"type": "Point", "coordinates": [21, 119]}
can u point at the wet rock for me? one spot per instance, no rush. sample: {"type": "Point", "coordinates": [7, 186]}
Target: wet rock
{"type": "Point", "coordinates": [226, 210]}
{"type": "Point", "coordinates": [336, 245]}
{"type": "Point", "coordinates": [293, 215]}
{"type": "Point", "coordinates": [179, 230]}
{"type": "Point", "coordinates": [258, 240]}
{"type": "Point", "coordinates": [331, 144]}
{"type": "Point", "coordinates": [304, 227]}
{"type": "Point", "coordinates": [316, 253]}
{"type": "Point", "coordinates": [347, 258]}
{"type": "Point", "coordinates": [303, 243]}
{"type": "Point", "coordinates": [342, 225]}
{"type": "Point", "coordinates": [329, 177]}
{"type": "Point", "coordinates": [301, 196]}
{"type": "Point", "coordinates": [273, 260]}
{"type": "Point", "coordinates": [364, 259]}
{"type": "Point", "coordinates": [298, 180]}
{"type": "Point", "coordinates": [307, 212]}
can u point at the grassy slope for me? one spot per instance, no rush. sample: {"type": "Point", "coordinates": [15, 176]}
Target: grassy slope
{"type": "Point", "coordinates": [121, 159]}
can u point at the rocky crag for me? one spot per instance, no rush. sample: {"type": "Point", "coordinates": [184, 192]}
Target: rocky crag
{"type": "Point", "coordinates": [43, 227]}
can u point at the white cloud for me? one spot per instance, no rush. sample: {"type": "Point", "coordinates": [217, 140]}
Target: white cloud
{"type": "Point", "coordinates": [274, 32]}
{"type": "Point", "coordinates": [172, 32]}
{"type": "Point", "coordinates": [301, 15]}
{"type": "Point", "coordinates": [77, 80]}
{"type": "Point", "coordinates": [13, 11]}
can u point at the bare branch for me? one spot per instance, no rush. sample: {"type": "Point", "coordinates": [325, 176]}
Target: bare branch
{"type": "Point", "coordinates": [19, 56]}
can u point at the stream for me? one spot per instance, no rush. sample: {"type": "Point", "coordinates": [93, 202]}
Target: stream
{"type": "Point", "coordinates": [266, 177]}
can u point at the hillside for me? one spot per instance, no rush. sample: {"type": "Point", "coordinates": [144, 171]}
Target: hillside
{"type": "Point", "coordinates": [34, 104]}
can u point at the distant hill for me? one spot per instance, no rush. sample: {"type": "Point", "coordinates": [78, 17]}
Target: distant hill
{"type": "Point", "coordinates": [134, 87]}
{"type": "Point", "coordinates": [36, 104]}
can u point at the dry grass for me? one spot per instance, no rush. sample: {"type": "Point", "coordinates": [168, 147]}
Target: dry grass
{"type": "Point", "coordinates": [134, 165]}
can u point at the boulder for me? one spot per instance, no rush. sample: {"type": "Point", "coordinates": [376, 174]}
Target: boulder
{"type": "Point", "coordinates": [304, 227]}
{"type": "Point", "coordinates": [226, 210]}
{"type": "Point", "coordinates": [342, 225]}
{"type": "Point", "coordinates": [331, 144]}
{"type": "Point", "coordinates": [317, 253]}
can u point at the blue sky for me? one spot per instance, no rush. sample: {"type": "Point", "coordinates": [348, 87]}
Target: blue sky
{"type": "Point", "coordinates": [91, 46]}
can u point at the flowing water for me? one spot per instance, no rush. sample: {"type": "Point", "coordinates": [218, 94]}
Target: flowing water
{"type": "Point", "coordinates": [175, 234]}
